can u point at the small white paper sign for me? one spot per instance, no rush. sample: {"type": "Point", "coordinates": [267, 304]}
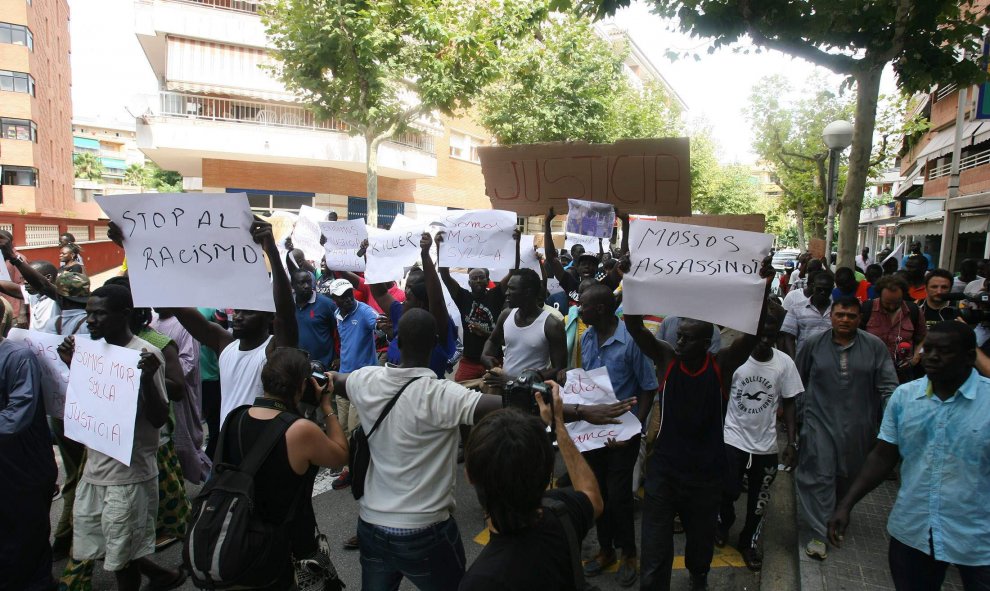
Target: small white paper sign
{"type": "Point", "coordinates": [344, 238]}
{"type": "Point", "coordinates": [390, 252]}
{"type": "Point", "coordinates": [710, 274]}
{"type": "Point", "coordinates": [478, 238]}
{"type": "Point", "coordinates": [590, 243]}
{"type": "Point", "coordinates": [4, 271]}
{"type": "Point", "coordinates": [595, 387]}
{"type": "Point", "coordinates": [183, 249]}
{"type": "Point", "coordinates": [54, 373]}
{"type": "Point", "coordinates": [527, 258]}
{"type": "Point", "coordinates": [101, 401]}
{"type": "Point", "coordinates": [590, 218]}
{"type": "Point", "coordinates": [306, 233]}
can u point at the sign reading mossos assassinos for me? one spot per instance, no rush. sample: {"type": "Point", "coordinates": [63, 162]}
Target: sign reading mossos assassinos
{"type": "Point", "coordinates": [101, 400]}
{"type": "Point", "coordinates": [595, 387]}
{"type": "Point", "coordinates": [54, 373]}
{"type": "Point", "coordinates": [647, 176]}
{"type": "Point", "coordinates": [188, 249]}
{"type": "Point", "coordinates": [344, 238]}
{"type": "Point", "coordinates": [711, 274]}
{"type": "Point", "coordinates": [478, 238]}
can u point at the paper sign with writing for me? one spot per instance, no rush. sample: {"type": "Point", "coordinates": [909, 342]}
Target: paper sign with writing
{"type": "Point", "coordinates": [189, 249]}
{"type": "Point", "coordinates": [101, 401]}
{"type": "Point", "coordinates": [390, 252]}
{"type": "Point", "coordinates": [648, 176]}
{"type": "Point", "coordinates": [595, 387]}
{"type": "Point", "coordinates": [699, 272]}
{"type": "Point", "coordinates": [591, 244]}
{"type": "Point", "coordinates": [590, 218]}
{"type": "Point", "coordinates": [54, 373]}
{"type": "Point", "coordinates": [306, 233]}
{"type": "Point", "coordinates": [4, 271]}
{"type": "Point", "coordinates": [344, 238]}
{"type": "Point", "coordinates": [527, 258]}
{"type": "Point", "coordinates": [478, 238]}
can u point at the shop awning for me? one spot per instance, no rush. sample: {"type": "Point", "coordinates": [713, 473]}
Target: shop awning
{"type": "Point", "coordinates": [215, 68]}
{"type": "Point", "coordinates": [913, 179]}
{"type": "Point", "coordinates": [931, 224]}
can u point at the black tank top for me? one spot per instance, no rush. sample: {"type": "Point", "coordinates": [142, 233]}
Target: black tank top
{"type": "Point", "coordinates": [276, 484]}
{"type": "Point", "coordinates": [689, 445]}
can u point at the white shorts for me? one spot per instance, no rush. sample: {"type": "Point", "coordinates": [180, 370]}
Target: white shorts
{"type": "Point", "coordinates": [116, 522]}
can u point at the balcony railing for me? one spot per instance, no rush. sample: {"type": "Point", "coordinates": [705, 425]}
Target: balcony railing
{"type": "Point", "coordinates": [233, 5]}
{"type": "Point", "coordinates": [971, 161]}
{"type": "Point", "coordinates": [194, 106]}
{"type": "Point", "coordinates": [944, 91]}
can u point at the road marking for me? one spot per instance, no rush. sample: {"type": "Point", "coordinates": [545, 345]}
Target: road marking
{"type": "Point", "coordinates": [723, 557]}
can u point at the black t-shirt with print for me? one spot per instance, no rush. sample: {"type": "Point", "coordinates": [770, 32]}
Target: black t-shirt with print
{"type": "Point", "coordinates": [483, 312]}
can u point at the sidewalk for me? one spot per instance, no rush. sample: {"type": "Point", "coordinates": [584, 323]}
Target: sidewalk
{"type": "Point", "coordinates": [861, 563]}
{"type": "Point", "coordinates": [99, 279]}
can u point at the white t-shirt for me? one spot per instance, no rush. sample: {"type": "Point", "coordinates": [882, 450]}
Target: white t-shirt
{"type": "Point", "coordinates": [794, 298]}
{"type": "Point", "coordinates": [240, 376]}
{"type": "Point", "coordinates": [757, 386]}
{"type": "Point", "coordinates": [410, 483]}
{"type": "Point", "coordinates": [44, 312]}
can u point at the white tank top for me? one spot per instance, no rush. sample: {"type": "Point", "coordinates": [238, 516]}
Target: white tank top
{"type": "Point", "coordinates": [240, 376]}
{"type": "Point", "coordinates": [526, 347]}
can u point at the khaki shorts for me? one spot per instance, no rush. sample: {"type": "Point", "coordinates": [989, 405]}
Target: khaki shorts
{"type": "Point", "coordinates": [116, 522]}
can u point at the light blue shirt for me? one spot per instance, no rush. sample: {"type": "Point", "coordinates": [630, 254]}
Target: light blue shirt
{"type": "Point", "coordinates": [945, 475]}
{"type": "Point", "coordinates": [357, 337]}
{"type": "Point", "coordinates": [629, 370]}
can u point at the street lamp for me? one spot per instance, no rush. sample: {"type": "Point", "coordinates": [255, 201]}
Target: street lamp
{"type": "Point", "coordinates": [837, 136]}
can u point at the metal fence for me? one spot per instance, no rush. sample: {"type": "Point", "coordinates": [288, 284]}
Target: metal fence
{"type": "Point", "coordinates": [41, 234]}
{"type": "Point", "coordinates": [233, 5]}
{"type": "Point", "coordinates": [971, 161]}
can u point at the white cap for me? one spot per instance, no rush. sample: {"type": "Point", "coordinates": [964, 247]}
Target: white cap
{"type": "Point", "coordinates": [339, 287]}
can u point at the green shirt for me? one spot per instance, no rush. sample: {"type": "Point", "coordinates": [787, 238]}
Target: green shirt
{"type": "Point", "coordinates": [209, 365]}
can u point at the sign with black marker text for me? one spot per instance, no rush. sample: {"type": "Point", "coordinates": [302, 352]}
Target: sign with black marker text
{"type": "Point", "coordinates": [54, 373]}
{"type": "Point", "coordinates": [344, 238]}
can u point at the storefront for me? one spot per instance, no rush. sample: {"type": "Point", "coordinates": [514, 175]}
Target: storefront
{"type": "Point", "coordinates": [969, 235]}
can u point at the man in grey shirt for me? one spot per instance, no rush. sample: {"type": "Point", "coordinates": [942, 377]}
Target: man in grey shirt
{"type": "Point", "coordinates": [813, 317]}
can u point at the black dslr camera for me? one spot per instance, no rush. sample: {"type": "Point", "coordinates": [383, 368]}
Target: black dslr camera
{"type": "Point", "coordinates": [318, 372]}
{"type": "Point", "coordinates": [518, 393]}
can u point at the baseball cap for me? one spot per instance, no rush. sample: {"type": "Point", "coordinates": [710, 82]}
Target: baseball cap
{"type": "Point", "coordinates": [73, 287]}
{"type": "Point", "coordinates": [339, 287]}
{"type": "Point", "coordinates": [588, 255]}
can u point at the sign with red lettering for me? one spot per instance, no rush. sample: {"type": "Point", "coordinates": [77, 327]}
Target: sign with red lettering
{"type": "Point", "coordinates": [54, 373]}
{"type": "Point", "coordinates": [595, 387]}
{"type": "Point", "coordinates": [647, 176]}
{"type": "Point", "coordinates": [101, 401]}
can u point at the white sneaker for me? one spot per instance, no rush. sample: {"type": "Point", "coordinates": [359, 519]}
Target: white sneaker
{"type": "Point", "coordinates": [816, 549]}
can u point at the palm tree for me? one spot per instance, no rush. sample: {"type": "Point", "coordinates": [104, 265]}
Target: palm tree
{"type": "Point", "coordinates": [88, 166]}
{"type": "Point", "coordinates": [137, 174]}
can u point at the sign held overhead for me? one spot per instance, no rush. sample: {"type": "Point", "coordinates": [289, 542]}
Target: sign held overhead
{"type": "Point", "coordinates": [649, 176]}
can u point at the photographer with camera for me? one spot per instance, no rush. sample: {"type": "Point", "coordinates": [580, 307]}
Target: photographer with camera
{"type": "Point", "coordinates": [535, 534]}
{"type": "Point", "coordinates": [406, 528]}
{"type": "Point", "coordinates": [938, 306]}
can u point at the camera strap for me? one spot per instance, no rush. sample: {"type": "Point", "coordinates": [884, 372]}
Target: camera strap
{"type": "Point", "coordinates": [263, 402]}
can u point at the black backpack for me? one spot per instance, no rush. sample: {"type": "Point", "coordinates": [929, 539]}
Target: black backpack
{"type": "Point", "coordinates": [360, 453]}
{"type": "Point", "coordinates": [227, 543]}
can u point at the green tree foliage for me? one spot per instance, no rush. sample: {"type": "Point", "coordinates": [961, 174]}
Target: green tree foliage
{"type": "Point", "coordinates": [137, 175]}
{"type": "Point", "coordinates": [923, 39]}
{"type": "Point", "coordinates": [649, 111]}
{"type": "Point", "coordinates": [379, 66]}
{"type": "Point", "coordinates": [719, 188]}
{"type": "Point", "coordinates": [88, 166]}
{"type": "Point", "coordinates": [164, 181]}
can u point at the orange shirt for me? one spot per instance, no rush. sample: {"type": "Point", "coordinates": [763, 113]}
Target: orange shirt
{"type": "Point", "coordinates": [918, 293]}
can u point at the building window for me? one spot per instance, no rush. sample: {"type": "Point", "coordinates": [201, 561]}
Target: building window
{"type": "Point", "coordinates": [16, 82]}
{"type": "Point", "coordinates": [18, 129]}
{"type": "Point", "coordinates": [21, 176]}
{"type": "Point", "coordinates": [16, 35]}
{"type": "Point", "coordinates": [464, 146]}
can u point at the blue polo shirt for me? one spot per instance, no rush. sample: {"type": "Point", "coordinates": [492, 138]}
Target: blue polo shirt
{"type": "Point", "coordinates": [316, 323]}
{"type": "Point", "coordinates": [357, 338]}
{"type": "Point", "coordinates": [945, 472]}
{"type": "Point", "coordinates": [629, 370]}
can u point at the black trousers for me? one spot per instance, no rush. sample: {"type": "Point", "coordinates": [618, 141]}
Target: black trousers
{"type": "Point", "coordinates": [697, 504]}
{"type": "Point", "coordinates": [25, 554]}
{"type": "Point", "coordinates": [914, 570]}
{"type": "Point", "coordinates": [760, 470]}
{"type": "Point", "coordinates": [613, 469]}
{"type": "Point", "coordinates": [211, 412]}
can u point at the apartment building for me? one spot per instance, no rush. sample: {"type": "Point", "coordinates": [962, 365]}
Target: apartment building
{"type": "Point", "coordinates": [115, 147]}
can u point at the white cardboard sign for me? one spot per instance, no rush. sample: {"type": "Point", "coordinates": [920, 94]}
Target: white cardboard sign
{"type": "Point", "coordinates": [595, 387]}
{"type": "Point", "coordinates": [306, 233]}
{"type": "Point", "coordinates": [390, 252]}
{"type": "Point", "coordinates": [527, 258]}
{"type": "Point", "coordinates": [590, 218]}
{"type": "Point", "coordinates": [188, 249]}
{"type": "Point", "coordinates": [590, 243]}
{"type": "Point", "coordinates": [54, 373]}
{"type": "Point", "coordinates": [701, 272]}
{"type": "Point", "coordinates": [101, 401]}
{"type": "Point", "coordinates": [478, 238]}
{"type": "Point", "coordinates": [344, 238]}
{"type": "Point", "coordinates": [4, 271]}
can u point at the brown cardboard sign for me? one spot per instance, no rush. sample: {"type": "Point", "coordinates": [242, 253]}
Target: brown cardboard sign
{"type": "Point", "coordinates": [750, 222]}
{"type": "Point", "coordinates": [816, 246]}
{"type": "Point", "coordinates": [646, 176]}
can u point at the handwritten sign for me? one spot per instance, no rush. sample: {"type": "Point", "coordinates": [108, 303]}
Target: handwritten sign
{"type": "Point", "coordinates": [527, 258]}
{"type": "Point", "coordinates": [649, 176]}
{"type": "Point", "coordinates": [4, 271]}
{"type": "Point", "coordinates": [590, 218]}
{"type": "Point", "coordinates": [591, 244]}
{"type": "Point", "coordinates": [306, 233]}
{"type": "Point", "coordinates": [595, 387]}
{"type": "Point", "coordinates": [478, 238]}
{"type": "Point", "coordinates": [698, 272]}
{"type": "Point", "coordinates": [390, 252]}
{"type": "Point", "coordinates": [344, 238]}
{"type": "Point", "coordinates": [54, 373]}
{"type": "Point", "coordinates": [183, 249]}
{"type": "Point", "coordinates": [101, 401]}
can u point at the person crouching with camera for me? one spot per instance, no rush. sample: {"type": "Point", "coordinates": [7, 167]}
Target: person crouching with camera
{"type": "Point", "coordinates": [535, 533]}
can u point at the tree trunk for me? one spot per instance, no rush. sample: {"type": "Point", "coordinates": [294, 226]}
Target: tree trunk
{"type": "Point", "coordinates": [371, 143]}
{"type": "Point", "coordinates": [867, 92]}
{"type": "Point", "coordinates": [799, 214]}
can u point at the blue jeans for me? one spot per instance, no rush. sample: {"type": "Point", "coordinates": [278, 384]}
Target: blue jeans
{"type": "Point", "coordinates": [432, 559]}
